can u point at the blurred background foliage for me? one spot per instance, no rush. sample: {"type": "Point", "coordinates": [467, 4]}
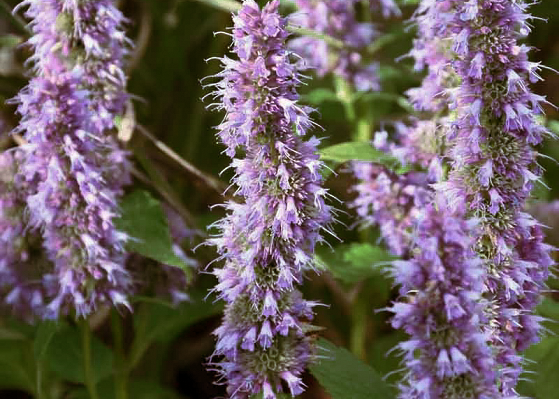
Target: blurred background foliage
{"type": "Point", "coordinates": [167, 347]}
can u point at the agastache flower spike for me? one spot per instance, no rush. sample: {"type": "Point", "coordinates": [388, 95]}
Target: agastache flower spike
{"type": "Point", "coordinates": [447, 355]}
{"type": "Point", "coordinates": [497, 111]}
{"type": "Point", "coordinates": [394, 201]}
{"type": "Point", "coordinates": [337, 19]}
{"type": "Point", "coordinates": [70, 163]}
{"type": "Point", "coordinates": [267, 242]}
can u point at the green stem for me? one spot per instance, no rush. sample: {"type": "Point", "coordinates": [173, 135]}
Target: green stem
{"type": "Point", "coordinates": [224, 5]}
{"type": "Point", "coordinates": [121, 372]}
{"type": "Point", "coordinates": [88, 370]}
{"type": "Point", "coordinates": [358, 334]}
{"type": "Point", "coordinates": [344, 92]}
{"type": "Point", "coordinates": [39, 388]}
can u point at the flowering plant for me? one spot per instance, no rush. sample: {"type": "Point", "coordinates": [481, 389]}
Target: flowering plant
{"type": "Point", "coordinates": [244, 199]}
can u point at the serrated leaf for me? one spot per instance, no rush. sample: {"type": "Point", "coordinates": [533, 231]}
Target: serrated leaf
{"type": "Point", "coordinates": [354, 262]}
{"type": "Point", "coordinates": [64, 356]}
{"type": "Point", "coordinates": [366, 256]}
{"type": "Point", "coordinates": [344, 376]}
{"type": "Point", "coordinates": [354, 151]}
{"type": "Point", "coordinates": [144, 220]}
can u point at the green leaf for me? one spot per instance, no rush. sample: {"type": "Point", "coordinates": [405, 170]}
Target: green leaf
{"type": "Point", "coordinates": [346, 377]}
{"type": "Point", "coordinates": [366, 256]}
{"type": "Point", "coordinates": [354, 262]}
{"type": "Point", "coordinates": [16, 371]}
{"type": "Point", "coordinates": [157, 322]}
{"type": "Point", "coordinates": [353, 151]}
{"type": "Point", "coordinates": [383, 358]}
{"type": "Point", "coordinates": [143, 219]}
{"type": "Point", "coordinates": [320, 95]}
{"type": "Point", "coordinates": [64, 356]}
{"type": "Point", "coordinates": [8, 334]}
{"type": "Point", "coordinates": [137, 389]}
{"type": "Point", "coordinates": [45, 332]}
{"type": "Point", "coordinates": [386, 97]}
{"type": "Point", "coordinates": [545, 385]}
{"type": "Point", "coordinates": [549, 309]}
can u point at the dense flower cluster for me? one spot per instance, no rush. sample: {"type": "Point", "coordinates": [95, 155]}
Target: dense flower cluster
{"type": "Point", "coordinates": [337, 19]}
{"type": "Point", "coordinates": [72, 168]}
{"type": "Point", "coordinates": [477, 69]}
{"type": "Point", "coordinates": [447, 355]}
{"type": "Point", "coordinates": [267, 242]}
{"type": "Point", "coordinates": [494, 167]}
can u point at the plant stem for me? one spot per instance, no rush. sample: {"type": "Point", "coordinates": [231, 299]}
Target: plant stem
{"type": "Point", "coordinates": [86, 343]}
{"type": "Point", "coordinates": [344, 91]}
{"type": "Point", "coordinates": [121, 372]}
{"type": "Point", "coordinates": [358, 335]}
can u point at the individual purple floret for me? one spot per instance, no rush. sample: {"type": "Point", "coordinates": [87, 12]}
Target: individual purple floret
{"type": "Point", "coordinates": [336, 18]}
{"type": "Point", "coordinates": [494, 167]}
{"type": "Point", "coordinates": [268, 240]}
{"type": "Point", "coordinates": [70, 160]}
{"type": "Point", "coordinates": [441, 308]}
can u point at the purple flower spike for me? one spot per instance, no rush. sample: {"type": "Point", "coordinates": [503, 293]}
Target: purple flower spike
{"type": "Point", "coordinates": [70, 163]}
{"type": "Point", "coordinates": [442, 310]}
{"type": "Point", "coordinates": [497, 112]}
{"type": "Point", "coordinates": [267, 242]}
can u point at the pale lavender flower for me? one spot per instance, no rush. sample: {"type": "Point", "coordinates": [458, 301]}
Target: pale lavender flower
{"type": "Point", "coordinates": [70, 160]}
{"type": "Point", "coordinates": [267, 242]}
{"type": "Point", "coordinates": [447, 355]}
